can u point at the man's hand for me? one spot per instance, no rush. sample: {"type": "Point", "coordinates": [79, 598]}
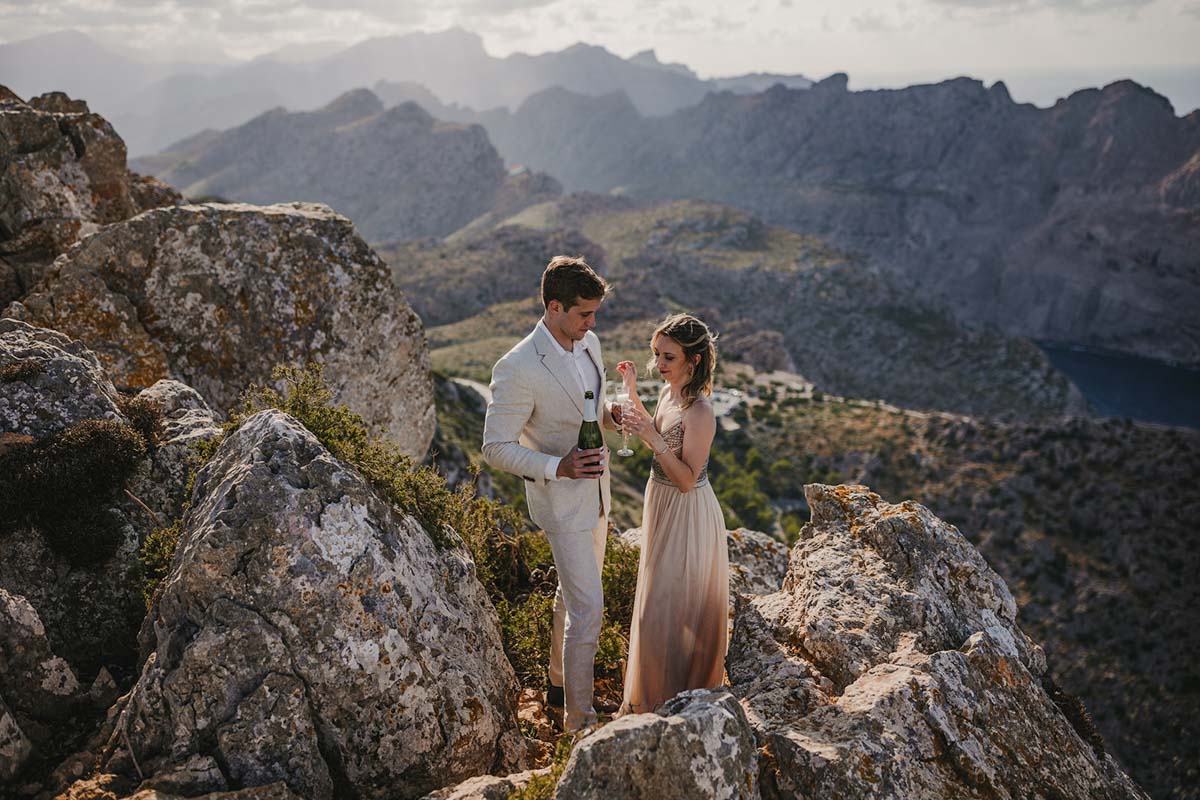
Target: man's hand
{"type": "Point", "coordinates": [583, 464]}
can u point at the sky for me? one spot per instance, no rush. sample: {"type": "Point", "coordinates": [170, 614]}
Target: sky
{"type": "Point", "coordinates": [1076, 42]}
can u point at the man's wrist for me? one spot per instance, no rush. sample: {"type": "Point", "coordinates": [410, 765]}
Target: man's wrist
{"type": "Point", "coordinates": [552, 468]}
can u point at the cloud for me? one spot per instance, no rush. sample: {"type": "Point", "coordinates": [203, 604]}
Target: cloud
{"type": "Point", "coordinates": [870, 22]}
{"type": "Point", "coordinates": [1066, 6]}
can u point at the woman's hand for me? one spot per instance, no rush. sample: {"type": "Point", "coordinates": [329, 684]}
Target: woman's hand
{"type": "Point", "coordinates": [628, 373]}
{"type": "Point", "coordinates": [641, 425]}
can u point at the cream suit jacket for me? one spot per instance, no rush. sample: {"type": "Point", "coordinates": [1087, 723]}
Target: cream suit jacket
{"type": "Point", "coordinates": [534, 416]}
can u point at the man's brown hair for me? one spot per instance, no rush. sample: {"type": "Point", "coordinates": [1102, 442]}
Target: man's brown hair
{"type": "Point", "coordinates": [569, 280]}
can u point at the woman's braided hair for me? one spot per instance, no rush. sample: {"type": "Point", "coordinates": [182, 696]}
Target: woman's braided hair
{"type": "Point", "coordinates": [696, 339]}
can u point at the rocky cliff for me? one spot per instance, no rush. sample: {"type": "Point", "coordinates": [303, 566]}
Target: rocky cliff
{"type": "Point", "coordinates": [397, 173]}
{"type": "Point", "coordinates": [1076, 223]}
{"type": "Point", "coordinates": [891, 666]}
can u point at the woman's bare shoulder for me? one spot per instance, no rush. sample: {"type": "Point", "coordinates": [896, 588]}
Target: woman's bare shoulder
{"type": "Point", "coordinates": [700, 409]}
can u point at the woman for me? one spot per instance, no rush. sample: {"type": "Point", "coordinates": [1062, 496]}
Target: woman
{"type": "Point", "coordinates": [681, 607]}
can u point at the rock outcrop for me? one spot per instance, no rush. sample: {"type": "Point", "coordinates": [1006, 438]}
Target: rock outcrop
{"type": "Point", "coordinates": [62, 176]}
{"type": "Point", "coordinates": [398, 173]}
{"type": "Point", "coordinates": [309, 633]}
{"type": "Point", "coordinates": [218, 295]}
{"type": "Point", "coordinates": [699, 744]}
{"type": "Point", "coordinates": [50, 381]}
{"type": "Point", "coordinates": [890, 665]}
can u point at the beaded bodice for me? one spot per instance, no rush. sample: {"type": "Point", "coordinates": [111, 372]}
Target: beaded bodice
{"type": "Point", "coordinates": [673, 436]}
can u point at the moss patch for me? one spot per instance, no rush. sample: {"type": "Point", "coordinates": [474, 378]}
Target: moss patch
{"type": "Point", "coordinates": [66, 484]}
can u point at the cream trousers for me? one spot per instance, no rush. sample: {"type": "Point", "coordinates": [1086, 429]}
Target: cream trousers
{"type": "Point", "coordinates": [578, 612]}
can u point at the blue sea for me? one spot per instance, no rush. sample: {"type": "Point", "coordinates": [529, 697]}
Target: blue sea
{"type": "Point", "coordinates": [1125, 386]}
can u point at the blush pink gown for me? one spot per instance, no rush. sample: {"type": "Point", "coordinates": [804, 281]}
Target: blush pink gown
{"type": "Point", "coordinates": [681, 607]}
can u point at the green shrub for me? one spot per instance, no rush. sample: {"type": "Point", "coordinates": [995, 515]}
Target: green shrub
{"type": "Point", "coordinates": [144, 416]}
{"type": "Point", "coordinates": [155, 557]}
{"type": "Point", "coordinates": [542, 787]}
{"type": "Point", "coordinates": [1073, 709]}
{"type": "Point", "coordinates": [66, 484]}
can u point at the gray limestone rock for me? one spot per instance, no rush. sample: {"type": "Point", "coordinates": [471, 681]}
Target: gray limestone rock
{"type": "Point", "coordinates": [187, 421]}
{"type": "Point", "coordinates": [890, 665]}
{"type": "Point", "coordinates": [63, 382]}
{"type": "Point", "coordinates": [40, 687]}
{"type": "Point", "coordinates": [91, 612]}
{"type": "Point", "coordinates": [757, 562]}
{"type": "Point", "coordinates": [699, 745]}
{"type": "Point", "coordinates": [309, 632]}
{"type": "Point", "coordinates": [218, 295]}
{"type": "Point", "coordinates": [487, 787]}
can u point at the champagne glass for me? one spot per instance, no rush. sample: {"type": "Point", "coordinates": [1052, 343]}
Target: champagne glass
{"type": "Point", "coordinates": [626, 407]}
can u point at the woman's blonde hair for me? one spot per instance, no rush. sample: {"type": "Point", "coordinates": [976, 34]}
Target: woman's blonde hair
{"type": "Point", "coordinates": [696, 340]}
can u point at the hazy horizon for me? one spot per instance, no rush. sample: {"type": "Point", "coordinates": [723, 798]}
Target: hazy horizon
{"type": "Point", "coordinates": [1179, 84]}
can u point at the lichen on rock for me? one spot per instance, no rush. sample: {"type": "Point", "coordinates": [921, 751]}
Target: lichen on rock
{"type": "Point", "coordinates": [890, 665]}
{"type": "Point", "coordinates": [218, 295]}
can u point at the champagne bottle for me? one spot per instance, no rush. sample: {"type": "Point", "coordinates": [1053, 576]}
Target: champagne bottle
{"type": "Point", "coordinates": [589, 432]}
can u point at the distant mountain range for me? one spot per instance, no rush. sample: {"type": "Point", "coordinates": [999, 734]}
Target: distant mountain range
{"type": "Point", "coordinates": [1079, 223]}
{"type": "Point", "coordinates": [155, 105]}
{"type": "Point", "coordinates": [398, 173]}
{"type": "Point", "coordinates": [1076, 224]}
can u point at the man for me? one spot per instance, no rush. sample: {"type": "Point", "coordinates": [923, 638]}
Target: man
{"type": "Point", "coordinates": [531, 430]}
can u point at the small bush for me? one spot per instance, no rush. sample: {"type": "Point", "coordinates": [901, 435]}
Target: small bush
{"type": "Point", "coordinates": [155, 557]}
{"type": "Point", "coordinates": [66, 484]}
{"type": "Point", "coordinates": [144, 416]}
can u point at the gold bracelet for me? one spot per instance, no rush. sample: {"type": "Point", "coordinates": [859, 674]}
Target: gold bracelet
{"type": "Point", "coordinates": [662, 452]}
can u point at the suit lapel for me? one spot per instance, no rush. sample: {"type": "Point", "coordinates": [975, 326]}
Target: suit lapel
{"type": "Point", "coordinates": [593, 352]}
{"type": "Point", "coordinates": [553, 361]}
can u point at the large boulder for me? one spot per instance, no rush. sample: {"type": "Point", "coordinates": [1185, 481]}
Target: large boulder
{"type": "Point", "coordinates": [62, 176]}
{"type": "Point", "coordinates": [49, 382]}
{"type": "Point", "coordinates": [698, 745]}
{"type": "Point", "coordinates": [890, 665]}
{"type": "Point", "coordinates": [218, 295]}
{"type": "Point", "coordinates": [487, 787]}
{"type": "Point", "coordinates": [311, 633]}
